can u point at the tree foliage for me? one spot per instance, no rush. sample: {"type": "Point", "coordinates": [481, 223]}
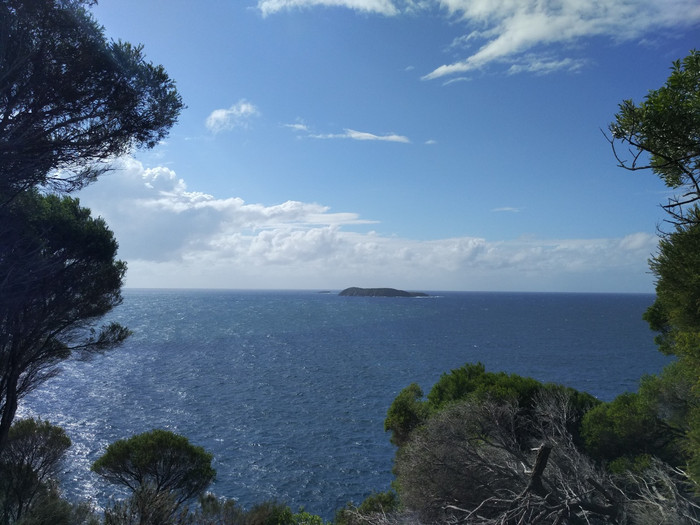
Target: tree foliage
{"type": "Point", "coordinates": [376, 503]}
{"type": "Point", "coordinates": [215, 511]}
{"type": "Point", "coordinates": [493, 448]}
{"type": "Point", "coordinates": [470, 463]}
{"type": "Point", "coordinates": [28, 466]}
{"type": "Point", "coordinates": [486, 461]}
{"type": "Point", "coordinates": [628, 427]}
{"type": "Point", "coordinates": [409, 411]}
{"type": "Point", "coordinates": [661, 134]}
{"type": "Point", "coordinates": [60, 277]}
{"type": "Point", "coordinates": [157, 466]}
{"type": "Point", "coordinates": [676, 312]}
{"type": "Point", "coordinates": [69, 98]}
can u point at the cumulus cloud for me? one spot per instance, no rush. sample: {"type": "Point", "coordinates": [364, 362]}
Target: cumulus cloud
{"type": "Point", "coordinates": [237, 115]}
{"type": "Point", "coordinates": [158, 218]}
{"type": "Point", "coordinates": [383, 7]}
{"type": "Point", "coordinates": [172, 236]}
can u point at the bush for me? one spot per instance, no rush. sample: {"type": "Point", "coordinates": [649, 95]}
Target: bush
{"type": "Point", "coordinates": [376, 503]}
{"type": "Point", "coordinates": [627, 427]}
{"type": "Point", "coordinates": [472, 382]}
{"type": "Point", "coordinates": [28, 466]}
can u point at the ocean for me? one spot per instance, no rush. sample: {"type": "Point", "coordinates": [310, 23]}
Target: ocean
{"type": "Point", "coordinates": [289, 389]}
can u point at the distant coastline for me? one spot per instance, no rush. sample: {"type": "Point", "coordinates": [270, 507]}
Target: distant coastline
{"type": "Point", "coordinates": [379, 292]}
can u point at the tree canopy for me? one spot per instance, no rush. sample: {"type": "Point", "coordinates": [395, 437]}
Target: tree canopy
{"type": "Point", "coordinates": [159, 462]}
{"type": "Point", "coordinates": [661, 134]}
{"type": "Point", "coordinates": [27, 465]}
{"type": "Point", "coordinates": [60, 276]}
{"type": "Point", "coordinates": [70, 99]}
{"type": "Point", "coordinates": [492, 448]}
{"type": "Point", "coordinates": [472, 382]}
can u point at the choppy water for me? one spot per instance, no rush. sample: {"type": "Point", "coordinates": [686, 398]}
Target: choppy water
{"type": "Point", "coordinates": [289, 390]}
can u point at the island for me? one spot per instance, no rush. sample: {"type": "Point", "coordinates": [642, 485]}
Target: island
{"type": "Point", "coordinates": [380, 292]}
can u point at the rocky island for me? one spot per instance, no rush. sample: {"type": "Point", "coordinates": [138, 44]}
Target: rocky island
{"type": "Point", "coordinates": [380, 292]}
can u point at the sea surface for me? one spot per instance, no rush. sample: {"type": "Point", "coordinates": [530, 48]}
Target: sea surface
{"type": "Point", "coordinates": [289, 390]}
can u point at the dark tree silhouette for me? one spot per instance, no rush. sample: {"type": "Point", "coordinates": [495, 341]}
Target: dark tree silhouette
{"type": "Point", "coordinates": [61, 277]}
{"type": "Point", "coordinates": [70, 99]}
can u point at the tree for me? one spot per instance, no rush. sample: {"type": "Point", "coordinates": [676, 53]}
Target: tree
{"type": "Point", "coordinates": [70, 99]}
{"type": "Point", "coordinates": [628, 427]}
{"type": "Point", "coordinates": [676, 316]}
{"type": "Point", "coordinates": [69, 102]}
{"type": "Point", "coordinates": [61, 276]}
{"type": "Point", "coordinates": [676, 266]}
{"type": "Point", "coordinates": [157, 466]}
{"type": "Point", "coordinates": [407, 411]}
{"type": "Point", "coordinates": [661, 134]}
{"type": "Point", "coordinates": [472, 382]}
{"type": "Point", "coordinates": [28, 465]}
{"type": "Point", "coordinates": [471, 463]}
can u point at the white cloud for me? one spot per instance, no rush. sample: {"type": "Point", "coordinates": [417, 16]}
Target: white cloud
{"type": "Point", "coordinates": [348, 134]}
{"type": "Point", "coordinates": [235, 116]}
{"type": "Point", "coordinates": [383, 7]}
{"type": "Point", "coordinates": [363, 135]}
{"type": "Point", "coordinates": [509, 28]}
{"type": "Point", "coordinates": [505, 30]}
{"type": "Point", "coordinates": [544, 65]}
{"type": "Point", "coordinates": [297, 127]}
{"type": "Point", "coordinates": [173, 237]}
{"type": "Point", "coordinates": [508, 209]}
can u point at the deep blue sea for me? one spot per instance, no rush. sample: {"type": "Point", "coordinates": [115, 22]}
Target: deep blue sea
{"type": "Point", "coordinates": [289, 390]}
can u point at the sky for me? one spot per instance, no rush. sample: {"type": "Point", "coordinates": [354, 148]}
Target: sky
{"type": "Point", "coordinates": [417, 144]}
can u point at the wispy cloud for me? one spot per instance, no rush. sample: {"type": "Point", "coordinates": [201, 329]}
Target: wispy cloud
{"type": "Point", "coordinates": [351, 134]}
{"type": "Point", "coordinates": [237, 115]}
{"type": "Point", "coordinates": [520, 33]}
{"type": "Point", "coordinates": [363, 135]}
{"type": "Point", "coordinates": [544, 65]}
{"type": "Point", "coordinates": [506, 209]}
{"type": "Point", "coordinates": [173, 236]}
{"type": "Point", "coordinates": [382, 7]}
{"type": "Point", "coordinates": [508, 29]}
{"type": "Point", "coordinates": [297, 127]}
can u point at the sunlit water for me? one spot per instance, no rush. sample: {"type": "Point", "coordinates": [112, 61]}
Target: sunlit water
{"type": "Point", "coordinates": [289, 390]}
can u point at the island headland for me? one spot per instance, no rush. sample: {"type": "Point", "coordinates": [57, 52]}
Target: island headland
{"type": "Point", "coordinates": [380, 292]}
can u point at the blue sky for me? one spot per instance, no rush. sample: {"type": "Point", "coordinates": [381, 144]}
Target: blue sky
{"type": "Point", "coordinates": [418, 144]}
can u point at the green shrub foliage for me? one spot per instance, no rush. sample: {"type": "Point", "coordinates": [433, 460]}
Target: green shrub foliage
{"type": "Point", "coordinates": [472, 382]}
{"type": "Point", "coordinates": [158, 467]}
{"type": "Point", "coordinates": [58, 276]}
{"type": "Point", "coordinates": [28, 468]}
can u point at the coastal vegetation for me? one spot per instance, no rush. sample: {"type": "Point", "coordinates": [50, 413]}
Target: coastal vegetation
{"type": "Point", "coordinates": [482, 447]}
